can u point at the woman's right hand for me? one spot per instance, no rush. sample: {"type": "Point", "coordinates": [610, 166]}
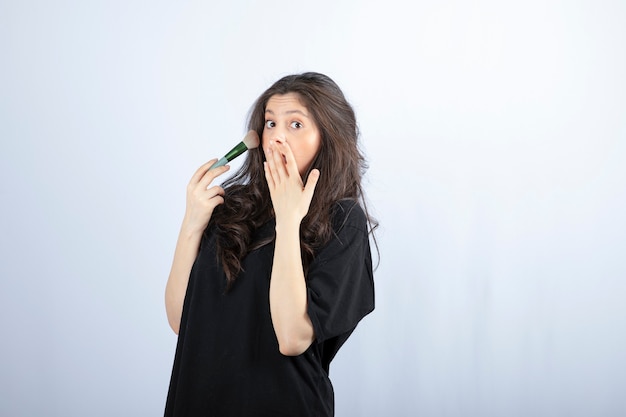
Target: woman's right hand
{"type": "Point", "coordinates": [202, 200]}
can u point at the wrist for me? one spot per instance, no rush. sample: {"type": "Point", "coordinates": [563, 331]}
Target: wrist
{"type": "Point", "coordinates": [190, 229]}
{"type": "Point", "coordinates": [287, 226]}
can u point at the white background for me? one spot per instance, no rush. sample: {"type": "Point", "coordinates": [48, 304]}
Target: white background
{"type": "Point", "coordinates": [496, 136]}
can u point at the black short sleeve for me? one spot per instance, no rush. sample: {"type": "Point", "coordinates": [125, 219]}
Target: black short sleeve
{"type": "Point", "coordinates": [340, 279]}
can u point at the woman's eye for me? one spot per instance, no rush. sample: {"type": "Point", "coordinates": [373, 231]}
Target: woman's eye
{"type": "Point", "coordinates": [296, 125]}
{"type": "Point", "coordinates": [269, 124]}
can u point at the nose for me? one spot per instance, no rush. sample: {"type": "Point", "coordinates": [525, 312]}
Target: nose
{"type": "Point", "coordinates": [278, 135]}
{"type": "Point", "coordinates": [273, 137]}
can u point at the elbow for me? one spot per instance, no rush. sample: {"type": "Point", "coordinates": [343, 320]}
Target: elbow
{"type": "Point", "coordinates": [294, 338]}
{"type": "Point", "coordinates": [292, 349]}
{"type": "Point", "coordinates": [173, 314]}
{"type": "Point", "coordinates": [175, 326]}
{"type": "Point", "coordinates": [293, 346]}
{"type": "Point", "coordinates": [172, 318]}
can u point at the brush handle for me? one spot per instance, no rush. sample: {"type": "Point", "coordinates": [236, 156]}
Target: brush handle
{"type": "Point", "coordinates": [232, 154]}
{"type": "Point", "coordinates": [221, 162]}
{"type": "Point", "coordinates": [236, 151]}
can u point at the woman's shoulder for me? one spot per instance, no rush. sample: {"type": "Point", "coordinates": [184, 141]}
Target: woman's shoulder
{"type": "Point", "coordinates": [348, 213]}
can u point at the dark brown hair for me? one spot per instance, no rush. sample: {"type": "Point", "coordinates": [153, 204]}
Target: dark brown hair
{"type": "Point", "coordinates": [247, 204]}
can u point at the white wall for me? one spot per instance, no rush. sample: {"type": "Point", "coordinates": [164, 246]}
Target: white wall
{"type": "Point", "coordinates": [496, 134]}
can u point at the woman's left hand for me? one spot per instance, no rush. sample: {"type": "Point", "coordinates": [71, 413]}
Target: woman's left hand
{"type": "Point", "coordinates": [290, 197]}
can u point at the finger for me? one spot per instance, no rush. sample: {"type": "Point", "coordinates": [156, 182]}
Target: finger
{"type": "Point", "coordinates": [291, 166]}
{"type": "Point", "coordinates": [268, 175]}
{"type": "Point", "coordinates": [207, 200]}
{"type": "Point", "coordinates": [202, 195]}
{"type": "Point", "coordinates": [216, 201]}
{"type": "Point", "coordinates": [197, 176]}
{"type": "Point", "coordinates": [311, 182]}
{"type": "Point", "coordinates": [216, 190]}
{"type": "Point", "coordinates": [278, 154]}
{"type": "Point", "coordinates": [273, 164]}
{"type": "Point", "coordinates": [211, 174]}
{"type": "Point", "coordinates": [267, 165]}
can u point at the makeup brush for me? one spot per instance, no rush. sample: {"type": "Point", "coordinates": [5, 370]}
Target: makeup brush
{"type": "Point", "coordinates": [250, 141]}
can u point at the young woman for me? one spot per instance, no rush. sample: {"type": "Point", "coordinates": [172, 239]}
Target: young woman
{"type": "Point", "coordinates": [273, 271]}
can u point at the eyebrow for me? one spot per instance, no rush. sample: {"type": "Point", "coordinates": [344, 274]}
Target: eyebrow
{"type": "Point", "coordinates": [289, 112]}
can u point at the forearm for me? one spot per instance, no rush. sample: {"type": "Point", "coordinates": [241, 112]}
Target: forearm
{"type": "Point", "coordinates": [288, 294]}
{"type": "Point", "coordinates": [201, 201]}
{"type": "Point", "coordinates": [184, 257]}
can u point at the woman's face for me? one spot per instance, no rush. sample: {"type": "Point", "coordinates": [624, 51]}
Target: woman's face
{"type": "Point", "coordinates": [287, 120]}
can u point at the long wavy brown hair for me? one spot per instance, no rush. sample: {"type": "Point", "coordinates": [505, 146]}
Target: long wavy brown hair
{"type": "Point", "coordinates": [247, 203]}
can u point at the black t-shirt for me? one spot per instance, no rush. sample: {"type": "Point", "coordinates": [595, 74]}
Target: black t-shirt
{"type": "Point", "coordinates": [227, 360]}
